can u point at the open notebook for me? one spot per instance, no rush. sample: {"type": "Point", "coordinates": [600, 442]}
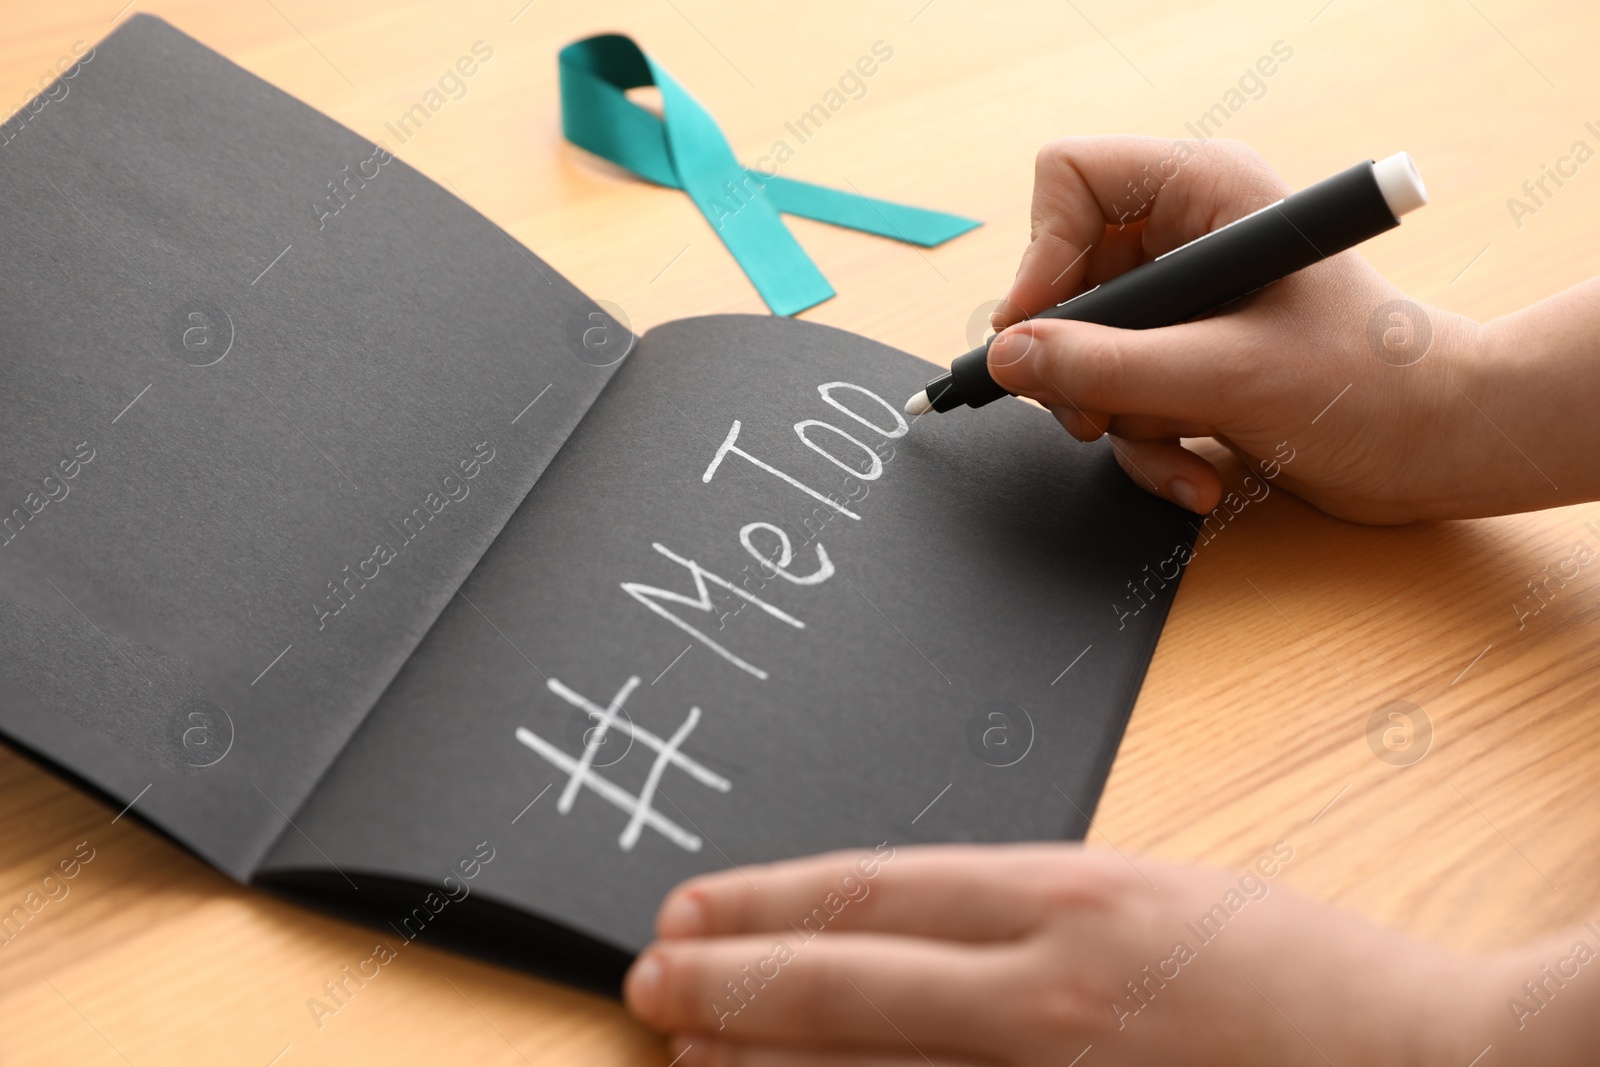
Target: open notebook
{"type": "Point", "coordinates": [368, 559]}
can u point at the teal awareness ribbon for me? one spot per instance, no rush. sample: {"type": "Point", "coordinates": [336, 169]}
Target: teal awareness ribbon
{"type": "Point", "coordinates": [684, 149]}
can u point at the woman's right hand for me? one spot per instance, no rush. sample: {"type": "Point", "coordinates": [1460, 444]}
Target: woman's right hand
{"type": "Point", "coordinates": [1366, 404]}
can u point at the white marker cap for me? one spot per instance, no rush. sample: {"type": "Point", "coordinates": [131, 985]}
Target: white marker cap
{"type": "Point", "coordinates": [1400, 183]}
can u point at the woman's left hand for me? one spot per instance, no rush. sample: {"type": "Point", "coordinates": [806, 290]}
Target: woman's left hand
{"type": "Point", "coordinates": [1032, 954]}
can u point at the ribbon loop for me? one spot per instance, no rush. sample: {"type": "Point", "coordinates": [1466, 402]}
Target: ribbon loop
{"type": "Point", "coordinates": [685, 149]}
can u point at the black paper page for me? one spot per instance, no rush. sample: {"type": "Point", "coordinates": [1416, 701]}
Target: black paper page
{"type": "Point", "coordinates": [218, 395]}
{"type": "Point", "coordinates": [921, 691]}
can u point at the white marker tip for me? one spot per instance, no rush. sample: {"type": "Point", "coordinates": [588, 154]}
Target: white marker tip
{"type": "Point", "coordinates": [919, 404]}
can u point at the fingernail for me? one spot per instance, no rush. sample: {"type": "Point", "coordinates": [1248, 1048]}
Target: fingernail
{"type": "Point", "coordinates": [1009, 348]}
{"type": "Point", "coordinates": [1001, 316]}
{"type": "Point", "coordinates": [642, 988]}
{"type": "Point", "coordinates": [1184, 493]}
{"type": "Point", "coordinates": [682, 916]}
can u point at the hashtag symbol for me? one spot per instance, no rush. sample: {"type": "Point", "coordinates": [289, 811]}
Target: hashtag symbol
{"type": "Point", "coordinates": [581, 772]}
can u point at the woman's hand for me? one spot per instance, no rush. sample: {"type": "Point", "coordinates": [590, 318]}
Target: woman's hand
{"type": "Point", "coordinates": [1393, 411]}
{"type": "Point", "coordinates": [1029, 954]}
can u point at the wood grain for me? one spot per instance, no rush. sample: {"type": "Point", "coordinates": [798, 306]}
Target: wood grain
{"type": "Point", "coordinates": [1291, 628]}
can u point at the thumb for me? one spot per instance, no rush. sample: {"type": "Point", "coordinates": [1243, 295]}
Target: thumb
{"type": "Point", "coordinates": [1196, 372]}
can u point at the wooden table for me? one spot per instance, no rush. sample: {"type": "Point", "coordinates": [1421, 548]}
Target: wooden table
{"type": "Point", "coordinates": [1290, 630]}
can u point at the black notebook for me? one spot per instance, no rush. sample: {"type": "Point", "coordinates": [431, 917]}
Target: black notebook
{"type": "Point", "coordinates": [349, 545]}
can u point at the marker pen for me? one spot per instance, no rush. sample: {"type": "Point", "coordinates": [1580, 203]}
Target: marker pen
{"type": "Point", "coordinates": [1233, 261]}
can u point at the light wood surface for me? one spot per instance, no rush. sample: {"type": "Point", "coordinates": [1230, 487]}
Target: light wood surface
{"type": "Point", "coordinates": [1290, 629]}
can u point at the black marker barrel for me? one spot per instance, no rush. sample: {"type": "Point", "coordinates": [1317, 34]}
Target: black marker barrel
{"type": "Point", "coordinates": [1235, 260]}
